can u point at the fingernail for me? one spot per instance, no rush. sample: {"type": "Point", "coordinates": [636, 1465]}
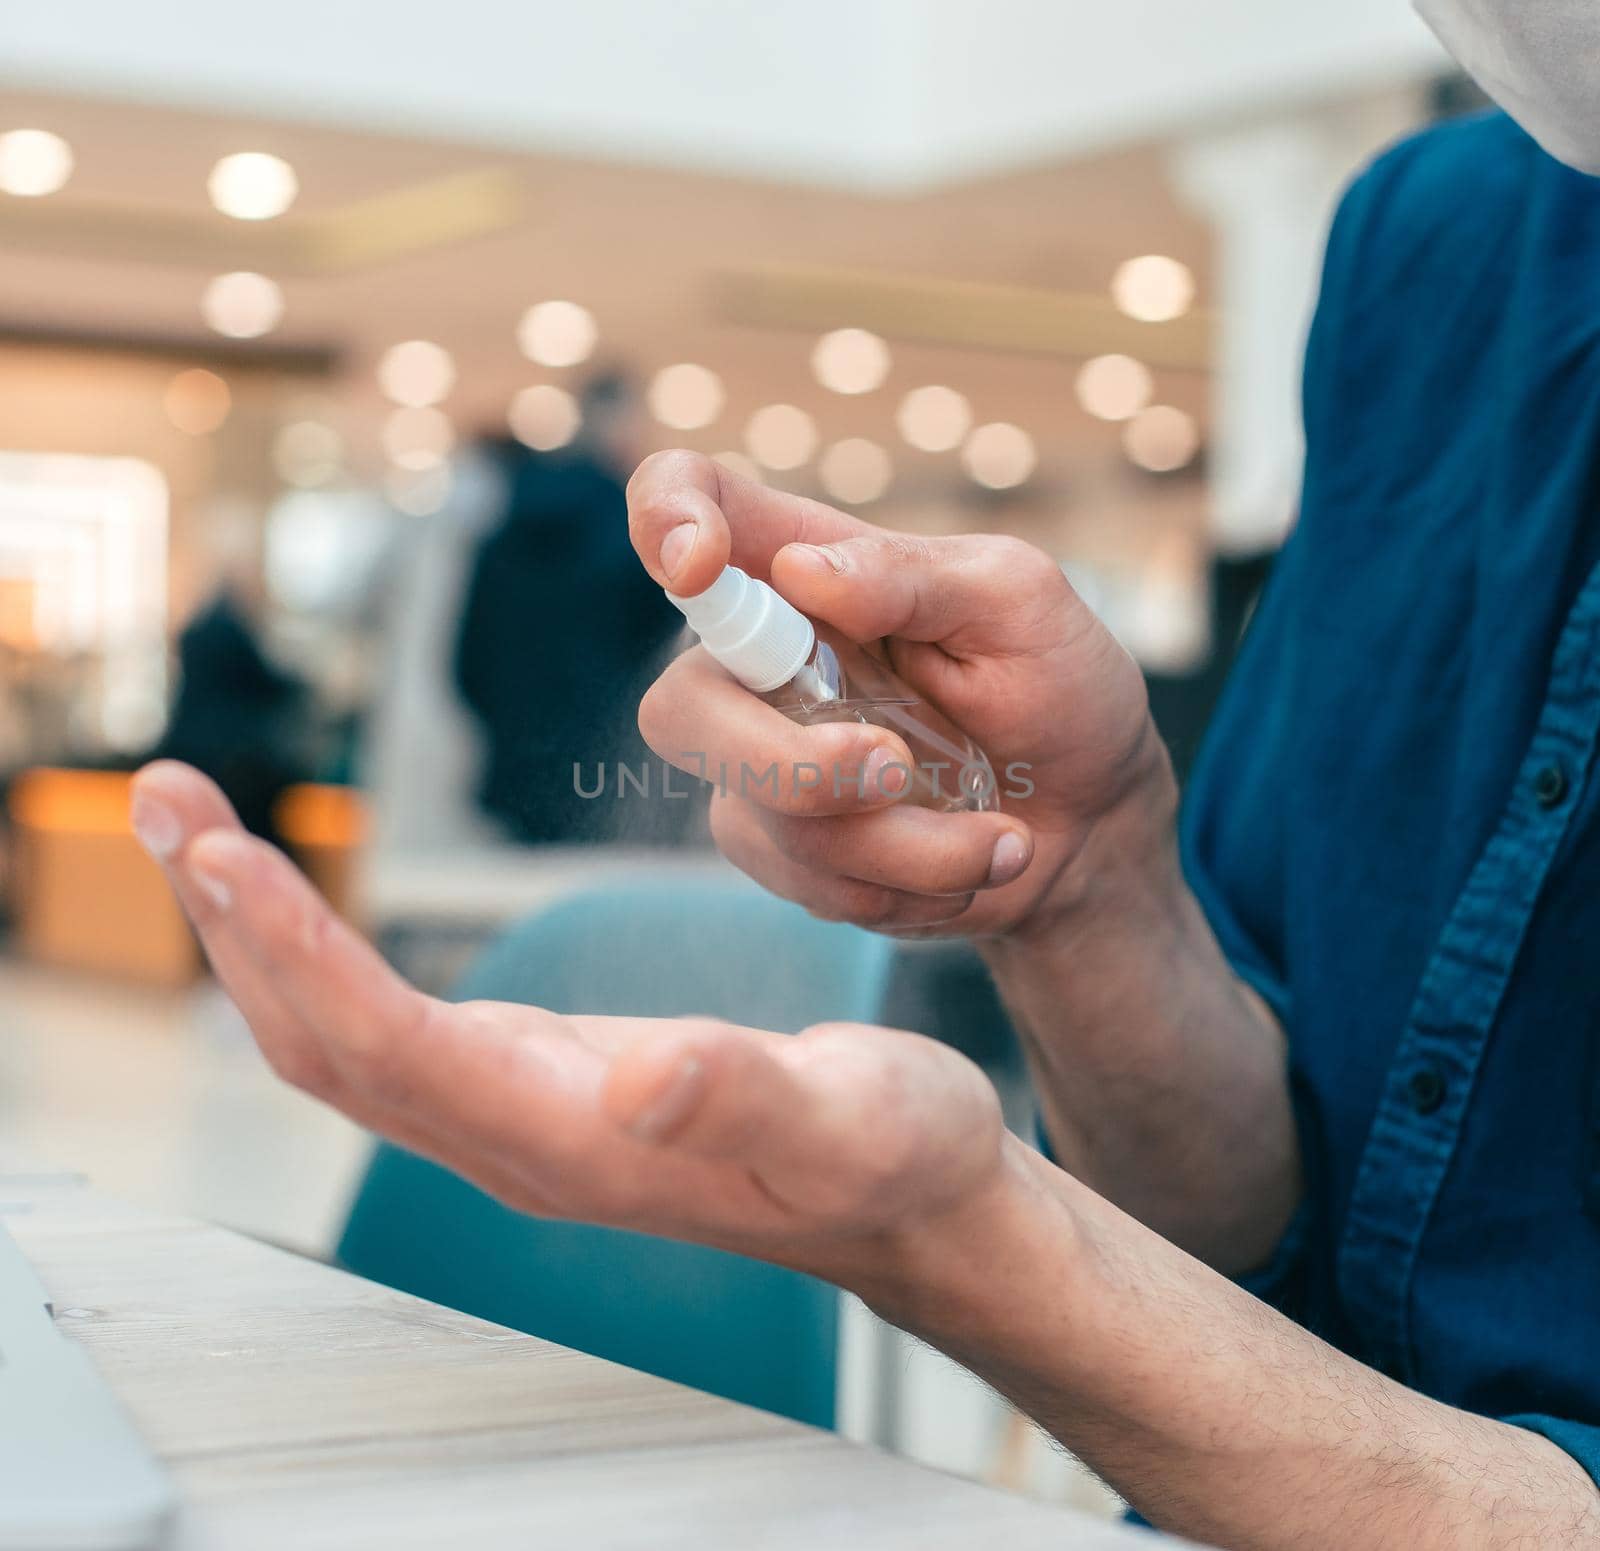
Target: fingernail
{"type": "Point", "coordinates": [1009, 859]}
{"type": "Point", "coordinates": [675, 548]}
{"type": "Point", "coordinates": [213, 887]}
{"type": "Point", "coordinates": [666, 1113]}
{"type": "Point", "coordinates": [885, 774]}
{"type": "Point", "coordinates": [157, 827]}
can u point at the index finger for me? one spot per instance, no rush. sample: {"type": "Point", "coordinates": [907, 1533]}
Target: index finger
{"type": "Point", "coordinates": [715, 517]}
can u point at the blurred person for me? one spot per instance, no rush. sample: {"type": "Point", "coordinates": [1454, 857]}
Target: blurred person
{"type": "Point", "coordinates": [421, 758]}
{"type": "Point", "coordinates": [559, 627]}
{"type": "Point", "coordinates": [1334, 1039]}
{"type": "Point", "coordinates": [237, 715]}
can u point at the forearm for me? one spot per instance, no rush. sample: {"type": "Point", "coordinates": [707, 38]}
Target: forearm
{"type": "Point", "coordinates": [1161, 1077]}
{"type": "Point", "coordinates": [1216, 1417]}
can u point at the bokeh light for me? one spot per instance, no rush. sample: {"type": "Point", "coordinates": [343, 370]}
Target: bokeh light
{"type": "Point", "coordinates": [855, 471]}
{"type": "Point", "coordinates": [307, 453]}
{"type": "Point", "coordinates": [1115, 387]}
{"type": "Point", "coordinates": [686, 396]}
{"type": "Point", "coordinates": [33, 162]}
{"type": "Point", "coordinates": [850, 361]}
{"type": "Point", "coordinates": [197, 401]}
{"type": "Point", "coordinates": [418, 438]}
{"type": "Point", "coordinates": [558, 333]}
{"type": "Point", "coordinates": [418, 492]}
{"type": "Point", "coordinates": [544, 417]}
{"type": "Point", "coordinates": [242, 305]}
{"type": "Point", "coordinates": [934, 418]}
{"type": "Point", "coordinates": [416, 373]}
{"type": "Point", "coordinates": [1153, 288]}
{"type": "Point", "coordinates": [780, 436]}
{"type": "Point", "coordinates": [1000, 456]}
{"type": "Point", "coordinates": [252, 185]}
{"type": "Point", "coordinates": [1162, 439]}
{"type": "Point", "coordinates": [746, 468]}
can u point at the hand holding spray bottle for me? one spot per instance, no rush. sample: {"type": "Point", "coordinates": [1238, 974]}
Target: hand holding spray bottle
{"type": "Point", "coordinates": [814, 676]}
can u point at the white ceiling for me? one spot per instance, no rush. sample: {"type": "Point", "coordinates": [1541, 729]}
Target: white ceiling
{"type": "Point", "coordinates": [883, 94]}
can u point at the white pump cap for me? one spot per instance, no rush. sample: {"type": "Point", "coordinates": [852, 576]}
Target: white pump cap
{"type": "Point", "coordinates": [758, 637]}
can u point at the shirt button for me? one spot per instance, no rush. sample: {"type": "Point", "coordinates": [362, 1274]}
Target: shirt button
{"type": "Point", "coordinates": [1550, 786]}
{"type": "Point", "coordinates": [1426, 1088]}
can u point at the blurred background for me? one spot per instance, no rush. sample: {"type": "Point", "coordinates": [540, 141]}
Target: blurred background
{"type": "Point", "coordinates": [329, 332]}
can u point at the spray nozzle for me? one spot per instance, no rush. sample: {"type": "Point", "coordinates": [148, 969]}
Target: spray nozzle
{"type": "Point", "coordinates": [759, 638]}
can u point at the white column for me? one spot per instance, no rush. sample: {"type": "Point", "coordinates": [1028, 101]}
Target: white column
{"type": "Point", "coordinates": [1269, 190]}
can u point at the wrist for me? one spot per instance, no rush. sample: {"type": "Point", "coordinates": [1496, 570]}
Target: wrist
{"type": "Point", "coordinates": [946, 1278]}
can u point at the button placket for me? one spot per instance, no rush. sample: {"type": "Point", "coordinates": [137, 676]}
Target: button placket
{"type": "Point", "coordinates": [1425, 1100]}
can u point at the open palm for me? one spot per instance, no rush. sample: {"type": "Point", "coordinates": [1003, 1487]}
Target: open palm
{"type": "Point", "coordinates": [788, 1147]}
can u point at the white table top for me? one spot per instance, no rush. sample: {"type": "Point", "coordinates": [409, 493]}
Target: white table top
{"type": "Point", "coordinates": [299, 1406]}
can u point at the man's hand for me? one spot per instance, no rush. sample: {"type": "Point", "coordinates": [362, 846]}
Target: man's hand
{"type": "Point", "coordinates": [1160, 1078]}
{"type": "Point", "coordinates": [987, 628]}
{"type": "Point", "coordinates": [830, 1150]}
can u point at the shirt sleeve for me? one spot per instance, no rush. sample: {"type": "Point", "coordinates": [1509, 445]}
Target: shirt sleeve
{"type": "Point", "coordinates": [1233, 845]}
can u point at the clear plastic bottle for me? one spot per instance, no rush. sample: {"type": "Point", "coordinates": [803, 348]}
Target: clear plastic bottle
{"type": "Point", "coordinates": [814, 676]}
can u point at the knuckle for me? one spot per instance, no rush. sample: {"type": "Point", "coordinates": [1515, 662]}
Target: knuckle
{"type": "Point", "coordinates": [1014, 560]}
{"type": "Point", "coordinates": [893, 1155]}
{"type": "Point", "coordinates": [871, 905]}
{"type": "Point", "coordinates": [827, 770]}
{"type": "Point", "coordinates": [832, 909]}
{"type": "Point", "coordinates": [373, 1056]}
{"type": "Point", "coordinates": [902, 549]}
{"type": "Point", "coordinates": [297, 1064]}
{"type": "Point", "coordinates": [661, 468]}
{"type": "Point", "coordinates": [812, 843]}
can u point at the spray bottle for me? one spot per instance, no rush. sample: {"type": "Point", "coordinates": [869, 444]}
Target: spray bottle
{"type": "Point", "coordinates": [812, 675]}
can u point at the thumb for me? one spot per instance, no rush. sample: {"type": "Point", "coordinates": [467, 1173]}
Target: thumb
{"type": "Point", "coordinates": [689, 516]}
{"type": "Point", "coordinates": [708, 1088]}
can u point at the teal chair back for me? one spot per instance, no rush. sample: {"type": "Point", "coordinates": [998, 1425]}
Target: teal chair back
{"type": "Point", "coordinates": [738, 1328]}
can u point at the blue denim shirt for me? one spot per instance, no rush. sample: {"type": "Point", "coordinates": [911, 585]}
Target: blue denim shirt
{"type": "Point", "coordinates": [1395, 826]}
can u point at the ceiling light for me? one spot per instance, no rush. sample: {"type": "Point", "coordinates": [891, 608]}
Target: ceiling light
{"type": "Point", "coordinates": [850, 361]}
{"type": "Point", "coordinates": [557, 333]}
{"type": "Point", "coordinates": [686, 396]}
{"type": "Point", "coordinates": [1162, 439]}
{"type": "Point", "coordinates": [1000, 456]}
{"type": "Point", "coordinates": [33, 162]}
{"type": "Point", "coordinates": [934, 419]}
{"type": "Point", "coordinates": [416, 373]}
{"type": "Point", "coordinates": [252, 186]}
{"type": "Point", "coordinates": [1153, 289]}
{"type": "Point", "coordinates": [855, 471]}
{"type": "Point", "coordinates": [242, 305]}
{"type": "Point", "coordinates": [780, 436]}
{"type": "Point", "coordinates": [1115, 387]}
{"type": "Point", "coordinates": [544, 417]}
{"type": "Point", "coordinates": [197, 401]}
